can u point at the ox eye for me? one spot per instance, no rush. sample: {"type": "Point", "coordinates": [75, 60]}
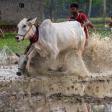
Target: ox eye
{"type": "Point", "coordinates": [24, 26]}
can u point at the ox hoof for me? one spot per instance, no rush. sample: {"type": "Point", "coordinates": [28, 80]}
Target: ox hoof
{"type": "Point", "coordinates": [61, 69]}
{"type": "Point", "coordinates": [18, 73]}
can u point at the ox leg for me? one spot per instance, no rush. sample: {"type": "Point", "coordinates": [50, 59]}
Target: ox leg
{"type": "Point", "coordinates": [29, 60]}
{"type": "Point", "coordinates": [81, 46]}
{"type": "Point", "coordinates": [53, 57]}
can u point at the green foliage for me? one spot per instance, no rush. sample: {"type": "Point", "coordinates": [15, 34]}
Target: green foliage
{"type": "Point", "coordinates": [97, 2]}
{"type": "Point", "coordinates": [10, 41]}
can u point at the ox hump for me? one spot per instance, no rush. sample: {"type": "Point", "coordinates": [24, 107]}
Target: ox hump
{"type": "Point", "coordinates": [46, 22]}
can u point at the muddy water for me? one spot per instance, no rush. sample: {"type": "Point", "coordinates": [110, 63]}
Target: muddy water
{"type": "Point", "coordinates": [8, 72]}
{"type": "Point", "coordinates": [16, 96]}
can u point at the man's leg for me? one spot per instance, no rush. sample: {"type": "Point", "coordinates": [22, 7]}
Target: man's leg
{"type": "Point", "coordinates": [87, 36]}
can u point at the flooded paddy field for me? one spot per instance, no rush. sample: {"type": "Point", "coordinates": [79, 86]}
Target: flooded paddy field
{"type": "Point", "coordinates": [61, 93]}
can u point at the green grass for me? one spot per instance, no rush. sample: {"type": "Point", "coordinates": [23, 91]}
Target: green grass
{"type": "Point", "coordinates": [9, 40]}
{"type": "Point", "coordinates": [99, 19]}
{"type": "Point", "coordinates": [103, 33]}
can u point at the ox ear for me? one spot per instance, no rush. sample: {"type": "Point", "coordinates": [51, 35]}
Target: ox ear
{"type": "Point", "coordinates": [32, 21]}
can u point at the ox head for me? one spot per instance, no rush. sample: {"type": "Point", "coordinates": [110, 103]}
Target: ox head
{"type": "Point", "coordinates": [22, 64]}
{"type": "Point", "coordinates": [26, 29]}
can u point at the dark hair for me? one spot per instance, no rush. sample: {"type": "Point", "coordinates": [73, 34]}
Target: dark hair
{"type": "Point", "coordinates": [74, 5]}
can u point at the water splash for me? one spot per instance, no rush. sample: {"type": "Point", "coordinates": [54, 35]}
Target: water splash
{"type": "Point", "coordinates": [98, 54]}
{"type": "Point", "coordinates": [4, 55]}
{"type": "Point", "coordinates": [7, 70]}
{"type": "Point", "coordinates": [8, 73]}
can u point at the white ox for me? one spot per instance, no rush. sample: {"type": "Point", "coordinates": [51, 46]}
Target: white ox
{"type": "Point", "coordinates": [53, 37]}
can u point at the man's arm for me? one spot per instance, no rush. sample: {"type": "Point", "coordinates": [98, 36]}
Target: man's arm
{"type": "Point", "coordinates": [87, 22]}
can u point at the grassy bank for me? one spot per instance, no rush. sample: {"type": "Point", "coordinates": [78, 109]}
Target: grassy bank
{"type": "Point", "coordinates": [10, 41]}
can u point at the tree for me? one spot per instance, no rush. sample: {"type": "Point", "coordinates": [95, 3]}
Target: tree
{"type": "Point", "coordinates": [104, 11]}
{"type": "Point", "coordinates": [90, 7]}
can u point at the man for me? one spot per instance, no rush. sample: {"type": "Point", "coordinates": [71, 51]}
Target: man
{"type": "Point", "coordinates": [80, 17]}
